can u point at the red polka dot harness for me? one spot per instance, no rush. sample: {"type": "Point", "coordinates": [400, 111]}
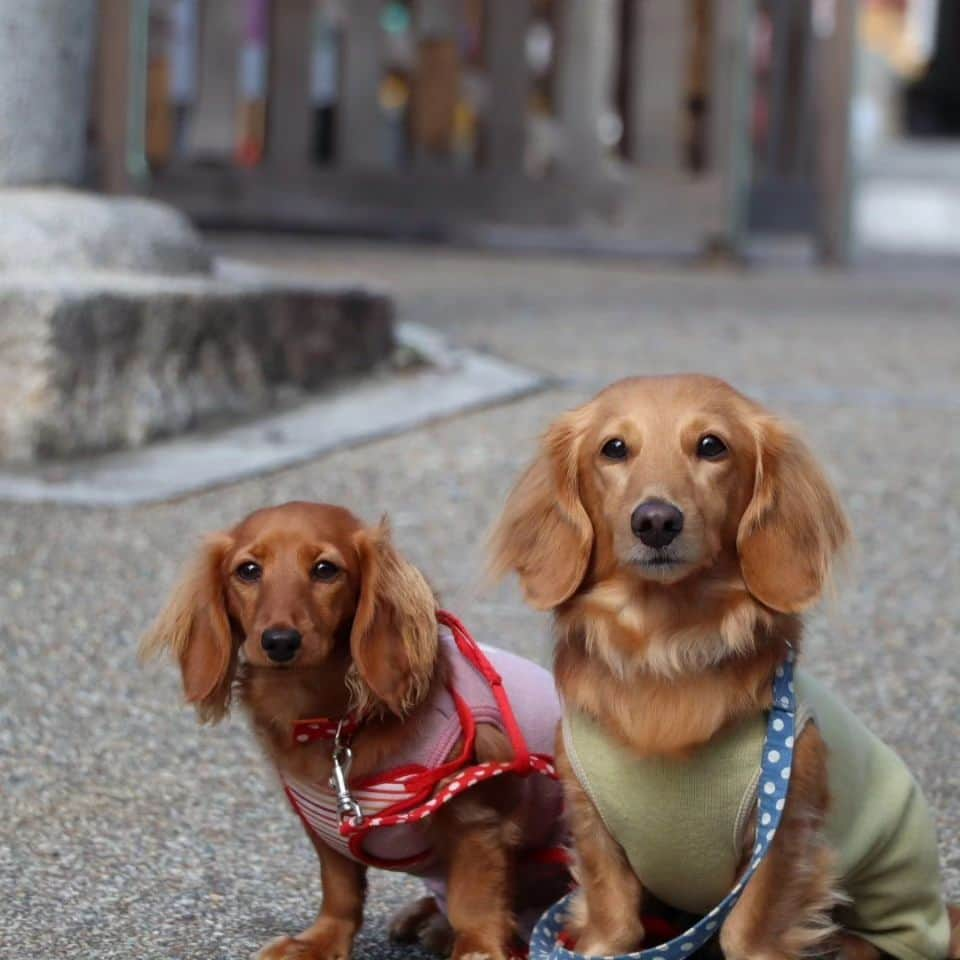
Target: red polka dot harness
{"type": "Point", "coordinates": [406, 795]}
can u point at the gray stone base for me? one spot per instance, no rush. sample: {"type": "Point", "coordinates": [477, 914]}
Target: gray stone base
{"type": "Point", "coordinates": [93, 362]}
{"type": "Point", "coordinates": [52, 229]}
{"type": "Point", "coordinates": [449, 382]}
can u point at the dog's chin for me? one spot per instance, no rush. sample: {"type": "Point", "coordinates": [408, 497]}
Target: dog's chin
{"type": "Point", "coordinates": [660, 566]}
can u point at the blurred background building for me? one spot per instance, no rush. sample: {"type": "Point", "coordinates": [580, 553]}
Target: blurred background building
{"type": "Point", "coordinates": [662, 125]}
{"type": "Point", "coordinates": [907, 126]}
{"type": "Point", "coordinates": [648, 125]}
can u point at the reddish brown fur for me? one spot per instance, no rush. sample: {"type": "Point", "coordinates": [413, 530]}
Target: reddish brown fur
{"type": "Point", "coordinates": [667, 657]}
{"type": "Point", "coordinates": [369, 644]}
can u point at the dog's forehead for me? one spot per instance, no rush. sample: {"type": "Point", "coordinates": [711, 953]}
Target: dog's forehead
{"type": "Point", "coordinates": [299, 520]}
{"type": "Point", "coordinates": [668, 398]}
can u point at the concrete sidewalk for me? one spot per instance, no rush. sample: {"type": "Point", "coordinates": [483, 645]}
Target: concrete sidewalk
{"type": "Point", "coordinates": [908, 199]}
{"type": "Point", "coordinates": [128, 832]}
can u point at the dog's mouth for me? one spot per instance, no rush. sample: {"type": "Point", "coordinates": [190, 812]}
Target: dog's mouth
{"type": "Point", "coordinates": [658, 563]}
{"type": "Point", "coordinates": [658, 558]}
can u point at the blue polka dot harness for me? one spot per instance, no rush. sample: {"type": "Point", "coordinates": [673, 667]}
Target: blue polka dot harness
{"type": "Point", "coordinates": [775, 766]}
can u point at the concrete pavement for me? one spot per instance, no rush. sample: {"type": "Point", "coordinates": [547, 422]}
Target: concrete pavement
{"type": "Point", "coordinates": [127, 831]}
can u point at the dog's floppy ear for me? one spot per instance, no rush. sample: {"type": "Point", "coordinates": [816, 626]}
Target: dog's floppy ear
{"type": "Point", "coordinates": [545, 535]}
{"type": "Point", "coordinates": [195, 628]}
{"type": "Point", "coordinates": [393, 641]}
{"type": "Point", "coordinates": [793, 526]}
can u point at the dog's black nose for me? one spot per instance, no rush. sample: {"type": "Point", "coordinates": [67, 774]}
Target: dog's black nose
{"type": "Point", "coordinates": [280, 644]}
{"type": "Point", "coordinates": [656, 522]}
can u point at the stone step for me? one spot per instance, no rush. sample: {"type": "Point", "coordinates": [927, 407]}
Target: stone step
{"type": "Point", "coordinates": [93, 362]}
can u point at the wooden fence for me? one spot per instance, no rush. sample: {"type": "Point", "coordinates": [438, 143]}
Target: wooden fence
{"type": "Point", "coordinates": [658, 124]}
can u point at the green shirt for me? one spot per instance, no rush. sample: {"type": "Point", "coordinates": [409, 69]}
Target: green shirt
{"type": "Point", "coordinates": [681, 823]}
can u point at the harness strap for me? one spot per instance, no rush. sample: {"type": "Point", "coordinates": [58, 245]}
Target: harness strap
{"type": "Point", "coordinates": [470, 777]}
{"type": "Point", "coordinates": [420, 800]}
{"type": "Point", "coordinates": [471, 650]}
{"type": "Point", "coordinates": [523, 762]}
{"type": "Point", "coordinates": [775, 768]}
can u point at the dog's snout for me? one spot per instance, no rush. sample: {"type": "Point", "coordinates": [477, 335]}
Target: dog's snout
{"type": "Point", "coordinates": [656, 523]}
{"type": "Point", "coordinates": [280, 644]}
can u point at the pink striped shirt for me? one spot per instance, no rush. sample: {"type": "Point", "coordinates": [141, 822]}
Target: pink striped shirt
{"type": "Point", "coordinates": [488, 686]}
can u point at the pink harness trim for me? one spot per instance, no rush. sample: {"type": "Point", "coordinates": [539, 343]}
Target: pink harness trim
{"type": "Point", "coordinates": [409, 794]}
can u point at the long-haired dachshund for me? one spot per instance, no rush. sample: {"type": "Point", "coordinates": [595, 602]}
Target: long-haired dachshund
{"type": "Point", "coordinates": [676, 530]}
{"type": "Point", "coordinates": [398, 740]}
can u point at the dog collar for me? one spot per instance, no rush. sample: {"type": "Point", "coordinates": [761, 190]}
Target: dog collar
{"type": "Point", "coordinates": [775, 767]}
{"type": "Point", "coordinates": [323, 728]}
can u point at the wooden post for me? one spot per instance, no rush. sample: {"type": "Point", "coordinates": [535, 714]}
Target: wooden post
{"type": "Point", "coordinates": [506, 127]}
{"type": "Point", "coordinates": [289, 119]}
{"type": "Point", "coordinates": [436, 82]}
{"type": "Point", "coordinates": [213, 127]}
{"type": "Point", "coordinates": [585, 83]}
{"type": "Point", "coordinates": [361, 134]}
{"type": "Point", "coordinates": [835, 30]}
{"type": "Point", "coordinates": [658, 80]}
{"type": "Point", "coordinates": [439, 18]}
{"type": "Point", "coordinates": [111, 98]}
{"type": "Point", "coordinates": [731, 99]}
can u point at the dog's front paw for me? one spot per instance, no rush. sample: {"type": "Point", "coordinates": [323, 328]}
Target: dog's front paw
{"type": "Point", "coordinates": [408, 921]}
{"type": "Point", "coordinates": [624, 938]}
{"type": "Point", "coordinates": [472, 946]}
{"type": "Point", "coordinates": [327, 939]}
{"type": "Point", "coordinates": [601, 936]}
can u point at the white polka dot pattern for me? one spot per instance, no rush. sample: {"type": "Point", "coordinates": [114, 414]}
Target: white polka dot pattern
{"type": "Point", "coordinates": [466, 778]}
{"type": "Point", "coordinates": [776, 762]}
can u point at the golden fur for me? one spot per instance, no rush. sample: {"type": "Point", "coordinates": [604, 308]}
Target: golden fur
{"type": "Point", "coordinates": [667, 649]}
{"type": "Point", "coordinates": [369, 644]}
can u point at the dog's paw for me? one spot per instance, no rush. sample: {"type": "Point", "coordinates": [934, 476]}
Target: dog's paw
{"type": "Point", "coordinates": [408, 921]}
{"type": "Point", "coordinates": [436, 936]}
{"type": "Point", "coordinates": [470, 946]}
{"type": "Point", "coordinates": [327, 939]}
{"type": "Point", "coordinates": [603, 943]}
{"type": "Point", "coordinates": [423, 922]}
{"type": "Point", "coordinates": [284, 948]}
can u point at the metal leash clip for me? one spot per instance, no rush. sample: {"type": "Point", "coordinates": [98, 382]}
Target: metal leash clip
{"type": "Point", "coordinates": [347, 808]}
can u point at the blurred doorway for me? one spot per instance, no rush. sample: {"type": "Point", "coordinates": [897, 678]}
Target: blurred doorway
{"type": "Point", "coordinates": [907, 127]}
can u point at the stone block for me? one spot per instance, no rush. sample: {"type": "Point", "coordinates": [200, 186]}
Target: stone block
{"type": "Point", "coordinates": [92, 362]}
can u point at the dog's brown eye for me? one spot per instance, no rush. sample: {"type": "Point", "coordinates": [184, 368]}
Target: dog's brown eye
{"type": "Point", "coordinates": [324, 571]}
{"type": "Point", "coordinates": [249, 572]}
{"type": "Point", "coordinates": [614, 449]}
{"type": "Point", "coordinates": [711, 447]}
